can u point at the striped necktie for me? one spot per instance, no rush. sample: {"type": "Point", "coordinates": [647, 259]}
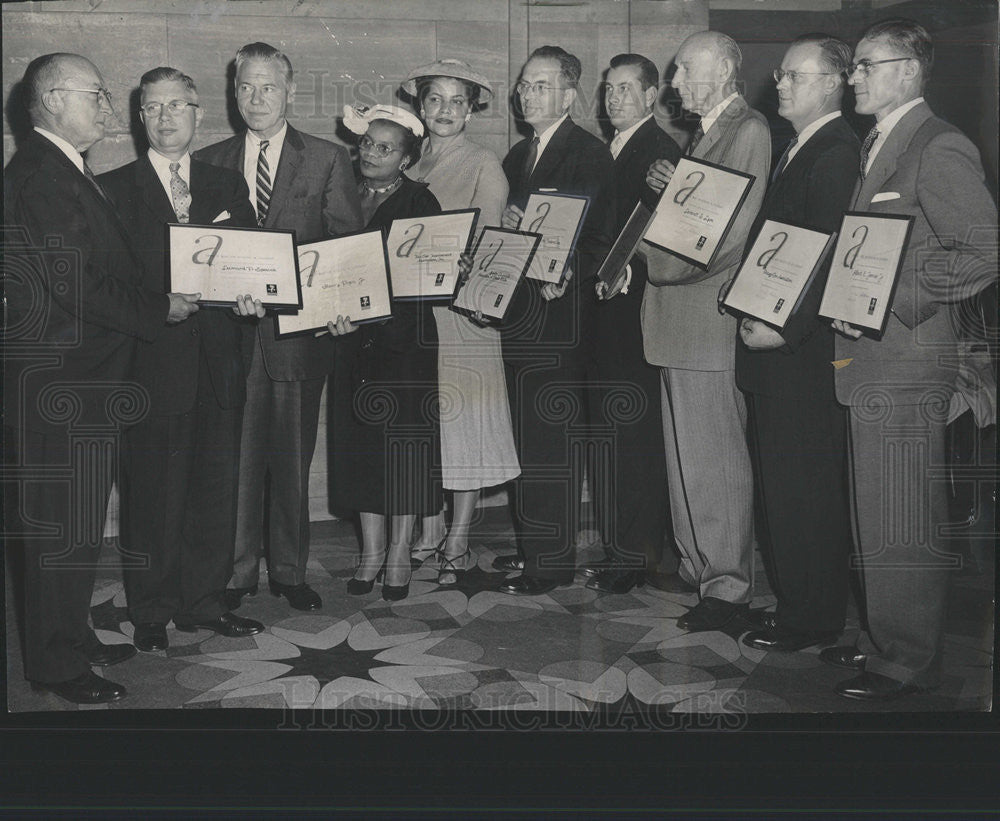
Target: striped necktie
{"type": "Point", "coordinates": [866, 148]}
{"type": "Point", "coordinates": [263, 184]}
{"type": "Point", "coordinates": [93, 181]}
{"type": "Point", "coordinates": [180, 194]}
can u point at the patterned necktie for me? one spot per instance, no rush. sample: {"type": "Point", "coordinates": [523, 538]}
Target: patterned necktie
{"type": "Point", "coordinates": [866, 148]}
{"type": "Point", "coordinates": [263, 184]}
{"type": "Point", "coordinates": [529, 159]}
{"type": "Point", "coordinates": [616, 145]}
{"type": "Point", "coordinates": [699, 132]}
{"type": "Point", "coordinates": [784, 159]}
{"type": "Point", "coordinates": [93, 181]}
{"type": "Point", "coordinates": [180, 194]}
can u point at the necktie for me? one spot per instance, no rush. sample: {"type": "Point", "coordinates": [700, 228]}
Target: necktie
{"type": "Point", "coordinates": [616, 145]}
{"type": "Point", "coordinates": [784, 159]}
{"type": "Point", "coordinates": [93, 181]}
{"type": "Point", "coordinates": [866, 148]}
{"type": "Point", "coordinates": [263, 184]}
{"type": "Point", "coordinates": [180, 194]}
{"type": "Point", "coordinates": [699, 132]}
{"type": "Point", "coordinates": [529, 159]}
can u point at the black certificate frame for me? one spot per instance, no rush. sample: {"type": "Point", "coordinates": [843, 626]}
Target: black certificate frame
{"type": "Point", "coordinates": [810, 283]}
{"type": "Point", "coordinates": [624, 247]}
{"type": "Point", "coordinates": [704, 266]}
{"type": "Point", "coordinates": [873, 333]}
{"type": "Point", "coordinates": [444, 297]}
{"type": "Point", "coordinates": [520, 277]}
{"type": "Point", "coordinates": [576, 234]}
{"type": "Point", "coordinates": [215, 229]}
{"type": "Point", "coordinates": [388, 281]}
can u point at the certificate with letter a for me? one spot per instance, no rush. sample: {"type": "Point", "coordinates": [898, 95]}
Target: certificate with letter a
{"type": "Point", "coordinates": [424, 251]}
{"type": "Point", "coordinates": [559, 219]}
{"type": "Point", "coordinates": [498, 265]}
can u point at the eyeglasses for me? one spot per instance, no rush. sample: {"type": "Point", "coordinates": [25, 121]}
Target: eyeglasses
{"type": "Point", "coordinates": [780, 74]}
{"type": "Point", "coordinates": [175, 107]}
{"type": "Point", "coordinates": [366, 143]}
{"type": "Point", "coordinates": [102, 93]}
{"type": "Point", "coordinates": [865, 66]}
{"type": "Point", "coordinates": [523, 88]}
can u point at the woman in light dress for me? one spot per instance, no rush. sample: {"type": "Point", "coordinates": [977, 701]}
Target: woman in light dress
{"type": "Point", "coordinates": [477, 441]}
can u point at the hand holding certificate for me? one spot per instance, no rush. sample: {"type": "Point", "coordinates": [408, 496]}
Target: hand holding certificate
{"type": "Point", "coordinates": [424, 252]}
{"type": "Point", "coordinates": [221, 263]}
{"type": "Point", "coordinates": [345, 276]}
{"type": "Point", "coordinates": [558, 218]}
{"type": "Point", "coordinates": [499, 262]}
{"type": "Point", "coordinates": [612, 270]}
{"type": "Point", "coordinates": [865, 269]}
{"type": "Point", "coordinates": [697, 209]}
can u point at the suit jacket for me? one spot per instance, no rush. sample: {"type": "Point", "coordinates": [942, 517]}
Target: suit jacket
{"type": "Point", "coordinates": [76, 304]}
{"type": "Point", "coordinates": [681, 325]}
{"type": "Point", "coordinates": [936, 172]}
{"type": "Point", "coordinates": [574, 162]}
{"type": "Point", "coordinates": [313, 193]}
{"type": "Point", "coordinates": [814, 190]}
{"type": "Point", "coordinates": [168, 368]}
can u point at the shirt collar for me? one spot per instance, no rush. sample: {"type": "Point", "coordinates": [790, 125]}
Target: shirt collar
{"type": "Point", "coordinates": [65, 146]}
{"type": "Point", "coordinates": [889, 122]}
{"type": "Point", "coordinates": [274, 143]}
{"type": "Point", "coordinates": [546, 135]}
{"type": "Point", "coordinates": [626, 135]}
{"type": "Point", "coordinates": [709, 119]}
{"type": "Point", "coordinates": [162, 165]}
{"type": "Point", "coordinates": [811, 129]}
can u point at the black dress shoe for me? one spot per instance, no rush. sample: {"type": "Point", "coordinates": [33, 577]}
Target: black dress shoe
{"type": "Point", "coordinates": [234, 595]}
{"type": "Point", "coordinates": [784, 640]}
{"type": "Point", "coordinates": [842, 656]}
{"type": "Point", "coordinates": [525, 585]}
{"type": "Point", "coordinates": [761, 619]}
{"type": "Point", "coordinates": [710, 614]}
{"type": "Point", "coordinates": [615, 580]}
{"type": "Point", "coordinates": [508, 564]}
{"type": "Point", "coordinates": [150, 636]}
{"type": "Point", "coordinates": [87, 688]}
{"type": "Point", "coordinates": [104, 655]}
{"type": "Point", "coordinates": [227, 624]}
{"type": "Point", "coordinates": [591, 569]}
{"type": "Point", "coordinates": [669, 584]}
{"type": "Point", "coordinates": [300, 596]}
{"type": "Point", "coordinates": [875, 687]}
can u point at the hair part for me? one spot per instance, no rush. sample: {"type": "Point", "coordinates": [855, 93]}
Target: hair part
{"type": "Point", "coordinates": [264, 51]}
{"type": "Point", "coordinates": [569, 65]}
{"type": "Point", "coordinates": [165, 74]}
{"type": "Point", "coordinates": [907, 37]}
{"type": "Point", "coordinates": [649, 75]}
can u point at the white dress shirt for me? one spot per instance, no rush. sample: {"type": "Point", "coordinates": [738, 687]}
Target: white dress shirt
{"type": "Point", "coordinates": [546, 136]}
{"type": "Point", "coordinates": [709, 119]}
{"type": "Point", "coordinates": [65, 146]}
{"type": "Point", "coordinates": [161, 165]}
{"type": "Point", "coordinates": [621, 138]}
{"type": "Point", "coordinates": [886, 126]}
{"type": "Point", "coordinates": [808, 131]}
{"type": "Point", "coordinates": [252, 151]}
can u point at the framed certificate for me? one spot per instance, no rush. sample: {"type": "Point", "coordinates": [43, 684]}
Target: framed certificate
{"type": "Point", "coordinates": [613, 267]}
{"type": "Point", "coordinates": [865, 270]}
{"type": "Point", "coordinates": [424, 251]}
{"type": "Point", "coordinates": [697, 209]}
{"type": "Point", "coordinates": [558, 218]}
{"type": "Point", "coordinates": [222, 263]}
{"type": "Point", "coordinates": [345, 276]}
{"type": "Point", "coordinates": [781, 267]}
{"type": "Point", "coordinates": [499, 263]}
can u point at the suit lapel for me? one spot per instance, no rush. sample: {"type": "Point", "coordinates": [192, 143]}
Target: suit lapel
{"type": "Point", "coordinates": [714, 134]}
{"type": "Point", "coordinates": [633, 145]}
{"type": "Point", "coordinates": [153, 193]}
{"type": "Point", "coordinates": [552, 155]}
{"type": "Point", "coordinates": [288, 165]}
{"type": "Point", "coordinates": [884, 165]}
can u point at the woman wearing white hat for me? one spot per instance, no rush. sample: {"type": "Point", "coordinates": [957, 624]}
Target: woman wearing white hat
{"type": "Point", "coordinates": [477, 442]}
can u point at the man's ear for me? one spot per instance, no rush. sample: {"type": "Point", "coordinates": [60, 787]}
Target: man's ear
{"type": "Point", "coordinates": [569, 97]}
{"type": "Point", "coordinates": [198, 114]}
{"type": "Point", "coordinates": [650, 95]}
{"type": "Point", "coordinates": [291, 91]}
{"type": "Point", "coordinates": [52, 102]}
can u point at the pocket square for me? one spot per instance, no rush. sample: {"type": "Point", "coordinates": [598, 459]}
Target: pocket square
{"type": "Point", "coordinates": [885, 195]}
{"type": "Point", "coordinates": [223, 216]}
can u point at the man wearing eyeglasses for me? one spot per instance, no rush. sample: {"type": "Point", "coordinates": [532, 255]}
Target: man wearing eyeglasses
{"type": "Point", "coordinates": [798, 431]}
{"type": "Point", "coordinates": [898, 389]}
{"type": "Point", "coordinates": [704, 414]}
{"type": "Point", "coordinates": [181, 461]}
{"type": "Point", "coordinates": [76, 311]}
{"type": "Point", "coordinates": [545, 331]}
{"type": "Point", "coordinates": [300, 182]}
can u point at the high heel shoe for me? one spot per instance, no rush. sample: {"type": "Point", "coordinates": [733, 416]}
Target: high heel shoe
{"type": "Point", "coordinates": [392, 592]}
{"type": "Point", "coordinates": [362, 587]}
{"type": "Point", "coordinates": [451, 567]}
{"type": "Point", "coordinates": [421, 555]}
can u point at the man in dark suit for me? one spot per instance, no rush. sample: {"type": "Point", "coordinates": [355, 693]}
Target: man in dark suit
{"type": "Point", "coordinates": [306, 184]}
{"type": "Point", "coordinates": [544, 330]}
{"type": "Point", "coordinates": [181, 462]}
{"type": "Point", "coordinates": [798, 430]}
{"type": "Point", "coordinates": [75, 311]}
{"type": "Point", "coordinates": [898, 388]}
{"type": "Point", "coordinates": [709, 476]}
{"type": "Point", "coordinates": [633, 487]}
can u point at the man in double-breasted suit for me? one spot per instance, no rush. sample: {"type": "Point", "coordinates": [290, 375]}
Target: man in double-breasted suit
{"type": "Point", "coordinates": [306, 184]}
{"type": "Point", "coordinates": [704, 416]}
{"type": "Point", "coordinates": [635, 487]}
{"type": "Point", "coordinates": [76, 309]}
{"type": "Point", "coordinates": [545, 328]}
{"type": "Point", "coordinates": [798, 429]}
{"type": "Point", "coordinates": [898, 388]}
{"type": "Point", "coordinates": [181, 461]}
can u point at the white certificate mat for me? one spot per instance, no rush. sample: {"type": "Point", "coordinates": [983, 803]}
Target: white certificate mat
{"type": "Point", "coordinates": [499, 263]}
{"type": "Point", "coordinates": [782, 264]}
{"type": "Point", "coordinates": [424, 251]}
{"type": "Point", "coordinates": [558, 218]}
{"type": "Point", "coordinates": [345, 276]}
{"type": "Point", "coordinates": [865, 269]}
{"type": "Point", "coordinates": [697, 209]}
{"type": "Point", "coordinates": [224, 263]}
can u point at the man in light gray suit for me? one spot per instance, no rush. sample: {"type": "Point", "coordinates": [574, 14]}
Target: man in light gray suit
{"type": "Point", "coordinates": [898, 389]}
{"type": "Point", "coordinates": [704, 417]}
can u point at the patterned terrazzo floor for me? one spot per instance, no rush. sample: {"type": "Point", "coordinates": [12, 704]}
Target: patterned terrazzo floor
{"type": "Point", "coordinates": [472, 648]}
